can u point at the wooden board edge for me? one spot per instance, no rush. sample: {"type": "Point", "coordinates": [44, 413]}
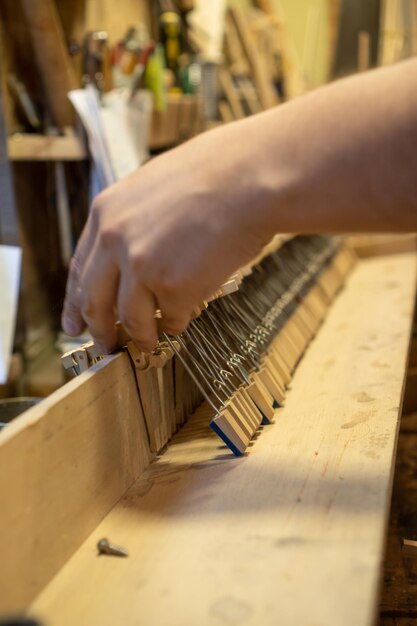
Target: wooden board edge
{"type": "Point", "coordinates": [63, 466]}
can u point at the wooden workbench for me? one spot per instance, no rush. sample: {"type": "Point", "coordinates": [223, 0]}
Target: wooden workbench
{"type": "Point", "coordinates": [293, 533]}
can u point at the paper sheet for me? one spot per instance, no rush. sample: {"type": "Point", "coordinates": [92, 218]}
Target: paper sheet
{"type": "Point", "coordinates": [126, 127]}
{"type": "Point", "coordinates": [118, 131]}
{"type": "Point", "coordinates": [10, 261]}
{"type": "Point", "coordinates": [87, 104]}
{"type": "Point", "coordinates": [208, 19]}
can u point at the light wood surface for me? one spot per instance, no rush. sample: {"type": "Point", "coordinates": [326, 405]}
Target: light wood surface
{"type": "Point", "coordinates": [364, 51]}
{"type": "Point", "coordinates": [63, 466]}
{"type": "Point", "coordinates": [292, 533]}
{"type": "Point", "coordinates": [378, 245]}
{"type": "Point", "coordinates": [262, 80]}
{"type": "Point", "coordinates": [230, 93]}
{"type": "Point", "coordinates": [27, 147]}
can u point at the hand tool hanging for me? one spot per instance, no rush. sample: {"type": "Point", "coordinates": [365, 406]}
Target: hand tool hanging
{"type": "Point", "coordinates": [8, 217]}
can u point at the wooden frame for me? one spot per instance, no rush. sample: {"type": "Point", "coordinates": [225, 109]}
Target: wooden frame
{"type": "Point", "coordinates": [62, 468]}
{"type": "Point", "coordinates": [292, 533]}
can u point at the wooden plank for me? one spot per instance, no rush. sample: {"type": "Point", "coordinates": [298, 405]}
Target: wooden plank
{"type": "Point", "coordinates": [27, 147]}
{"type": "Point", "coordinates": [364, 51]}
{"type": "Point", "coordinates": [230, 93]}
{"type": "Point", "coordinates": [63, 466]}
{"type": "Point", "coordinates": [292, 533]}
{"type": "Point", "coordinates": [226, 114]}
{"type": "Point", "coordinates": [52, 58]}
{"type": "Point", "coordinates": [262, 80]}
{"type": "Point", "coordinates": [378, 245]}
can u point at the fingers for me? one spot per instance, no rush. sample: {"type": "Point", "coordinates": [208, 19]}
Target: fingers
{"type": "Point", "coordinates": [99, 284]}
{"type": "Point", "coordinates": [91, 289]}
{"type": "Point", "coordinates": [92, 293]}
{"type": "Point", "coordinates": [136, 307]}
{"type": "Point", "coordinates": [104, 285]}
{"type": "Point", "coordinates": [72, 320]}
{"type": "Point", "coordinates": [175, 318]}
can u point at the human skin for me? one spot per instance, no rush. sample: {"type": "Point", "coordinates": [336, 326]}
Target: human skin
{"type": "Point", "coordinates": [340, 159]}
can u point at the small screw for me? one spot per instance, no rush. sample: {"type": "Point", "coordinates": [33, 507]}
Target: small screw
{"type": "Point", "coordinates": [105, 547]}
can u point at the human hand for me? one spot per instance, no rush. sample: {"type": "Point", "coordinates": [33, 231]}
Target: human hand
{"type": "Point", "coordinates": [164, 238]}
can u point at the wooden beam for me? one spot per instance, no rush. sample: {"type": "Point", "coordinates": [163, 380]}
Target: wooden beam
{"type": "Point", "coordinates": [28, 147]}
{"type": "Point", "coordinates": [63, 466]}
{"type": "Point", "coordinates": [262, 79]}
{"type": "Point", "coordinates": [364, 51]}
{"type": "Point", "coordinates": [291, 534]}
{"type": "Point", "coordinates": [52, 58]}
{"type": "Point", "coordinates": [379, 245]}
{"type": "Point", "coordinates": [230, 93]}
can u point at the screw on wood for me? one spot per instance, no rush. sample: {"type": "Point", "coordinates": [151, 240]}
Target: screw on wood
{"type": "Point", "coordinates": [105, 547]}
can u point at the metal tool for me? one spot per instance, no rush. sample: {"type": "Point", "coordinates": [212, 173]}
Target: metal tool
{"type": "Point", "coordinates": [8, 218]}
{"type": "Point", "coordinates": [105, 547]}
{"type": "Point", "coordinates": [96, 60]}
{"type": "Point", "coordinates": [19, 91]}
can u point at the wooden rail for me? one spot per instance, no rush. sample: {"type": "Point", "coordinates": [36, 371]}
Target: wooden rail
{"type": "Point", "coordinates": [292, 533]}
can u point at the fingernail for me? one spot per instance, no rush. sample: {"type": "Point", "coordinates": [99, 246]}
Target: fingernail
{"type": "Point", "coordinates": [70, 327]}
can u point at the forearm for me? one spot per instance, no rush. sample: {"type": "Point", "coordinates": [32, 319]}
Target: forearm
{"type": "Point", "coordinates": [343, 158]}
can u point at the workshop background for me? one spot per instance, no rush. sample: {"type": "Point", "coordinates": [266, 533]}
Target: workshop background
{"type": "Point", "coordinates": [144, 76]}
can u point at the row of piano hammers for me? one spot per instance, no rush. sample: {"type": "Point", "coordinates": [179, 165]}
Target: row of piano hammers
{"type": "Point", "coordinates": [239, 354]}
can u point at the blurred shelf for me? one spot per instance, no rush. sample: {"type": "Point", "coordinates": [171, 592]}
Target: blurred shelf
{"type": "Point", "coordinates": [30, 147]}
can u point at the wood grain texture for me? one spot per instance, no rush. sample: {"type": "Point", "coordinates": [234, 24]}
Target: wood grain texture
{"type": "Point", "coordinates": [292, 533]}
{"type": "Point", "coordinates": [262, 80]}
{"type": "Point", "coordinates": [63, 466]}
{"type": "Point", "coordinates": [380, 245]}
{"type": "Point", "coordinates": [27, 147]}
{"type": "Point", "coordinates": [52, 58]}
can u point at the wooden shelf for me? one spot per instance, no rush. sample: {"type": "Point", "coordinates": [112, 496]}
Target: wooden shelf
{"type": "Point", "coordinates": [28, 147]}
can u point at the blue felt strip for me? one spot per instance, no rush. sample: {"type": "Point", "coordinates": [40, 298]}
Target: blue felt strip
{"type": "Point", "coordinates": [224, 438]}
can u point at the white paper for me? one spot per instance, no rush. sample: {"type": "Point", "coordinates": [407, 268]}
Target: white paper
{"type": "Point", "coordinates": [126, 127]}
{"type": "Point", "coordinates": [118, 130]}
{"type": "Point", "coordinates": [208, 19]}
{"type": "Point", "coordinates": [10, 261]}
{"type": "Point", "coordinates": [87, 105]}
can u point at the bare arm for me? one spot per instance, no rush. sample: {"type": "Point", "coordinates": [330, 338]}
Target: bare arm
{"type": "Point", "coordinates": [342, 158]}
